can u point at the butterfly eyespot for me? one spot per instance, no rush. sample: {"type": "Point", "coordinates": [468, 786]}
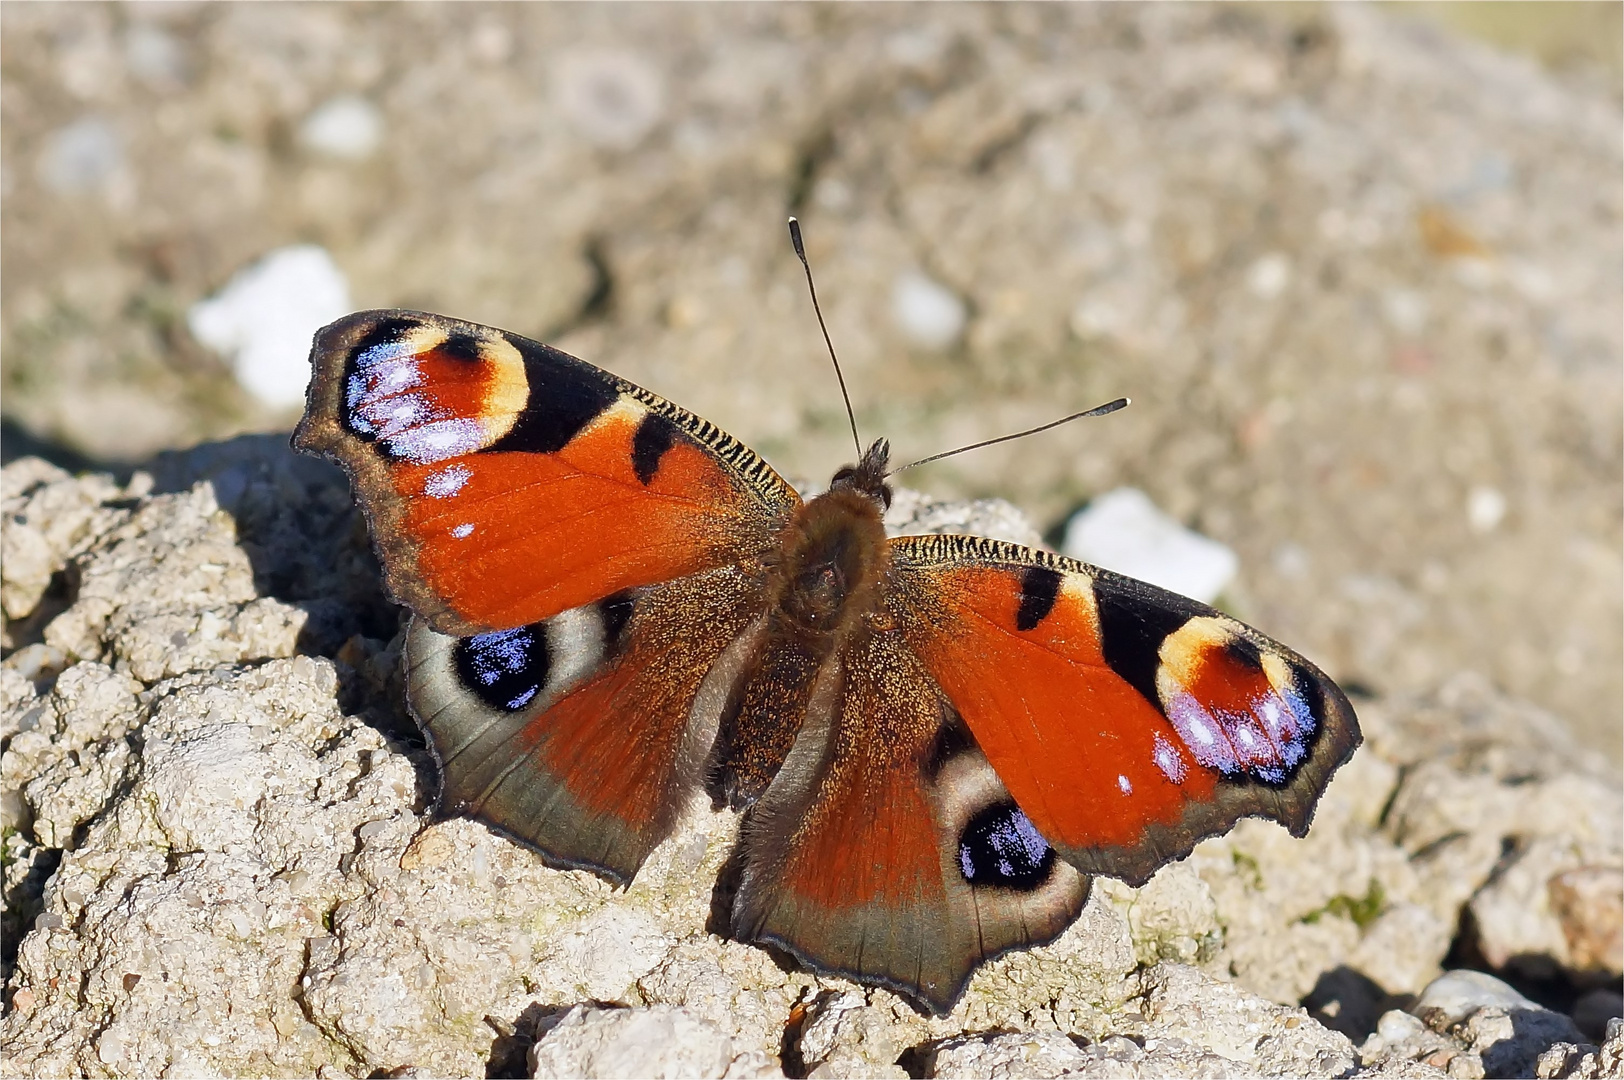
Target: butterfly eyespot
{"type": "Point", "coordinates": [504, 669]}
{"type": "Point", "coordinates": [1001, 847]}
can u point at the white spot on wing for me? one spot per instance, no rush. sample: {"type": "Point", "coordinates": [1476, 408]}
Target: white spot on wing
{"type": "Point", "coordinates": [398, 377]}
{"type": "Point", "coordinates": [448, 481]}
{"type": "Point", "coordinates": [437, 441]}
{"type": "Point", "coordinates": [1167, 758]}
{"type": "Point", "coordinates": [1124, 784]}
{"type": "Point", "coordinates": [388, 350]}
{"type": "Point", "coordinates": [1200, 732]}
{"type": "Point", "coordinates": [462, 531]}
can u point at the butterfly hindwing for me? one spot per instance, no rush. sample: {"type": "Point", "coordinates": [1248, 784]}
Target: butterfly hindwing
{"type": "Point", "coordinates": [886, 848]}
{"type": "Point", "coordinates": [1127, 722]}
{"type": "Point", "coordinates": [506, 481]}
{"type": "Point", "coordinates": [585, 734]}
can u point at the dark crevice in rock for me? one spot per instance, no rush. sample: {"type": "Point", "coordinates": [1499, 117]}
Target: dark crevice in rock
{"type": "Point", "coordinates": [1347, 1000]}
{"type": "Point", "coordinates": [24, 901]}
{"type": "Point", "coordinates": [30, 629]}
{"type": "Point", "coordinates": [789, 1046]}
{"type": "Point", "coordinates": [1557, 992]}
{"type": "Point", "coordinates": [510, 1050]}
{"type": "Point", "coordinates": [918, 1061]}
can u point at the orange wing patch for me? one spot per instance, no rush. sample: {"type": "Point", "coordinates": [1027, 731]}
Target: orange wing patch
{"type": "Point", "coordinates": [518, 537]}
{"type": "Point", "coordinates": [1082, 752]}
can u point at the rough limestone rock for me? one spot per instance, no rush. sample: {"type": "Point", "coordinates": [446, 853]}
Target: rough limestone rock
{"type": "Point", "coordinates": [659, 1042]}
{"type": "Point", "coordinates": [1582, 1062]}
{"type": "Point", "coordinates": [222, 861]}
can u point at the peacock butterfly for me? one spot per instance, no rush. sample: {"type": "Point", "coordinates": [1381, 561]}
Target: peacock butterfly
{"type": "Point", "coordinates": [935, 739]}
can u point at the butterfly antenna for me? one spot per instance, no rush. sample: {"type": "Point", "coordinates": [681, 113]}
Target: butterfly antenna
{"type": "Point", "coordinates": [800, 252]}
{"type": "Point", "coordinates": [1098, 410]}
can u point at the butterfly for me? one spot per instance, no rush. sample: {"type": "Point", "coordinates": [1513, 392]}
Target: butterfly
{"type": "Point", "coordinates": [936, 740]}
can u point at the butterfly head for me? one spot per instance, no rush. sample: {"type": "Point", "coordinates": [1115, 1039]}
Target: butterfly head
{"type": "Point", "coordinates": [867, 477]}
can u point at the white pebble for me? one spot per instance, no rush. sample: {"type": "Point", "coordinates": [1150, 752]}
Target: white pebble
{"type": "Point", "coordinates": [81, 156]}
{"type": "Point", "coordinates": [348, 127]}
{"type": "Point", "coordinates": [1485, 508]}
{"type": "Point", "coordinates": [928, 313]}
{"type": "Point", "coordinates": [1124, 531]}
{"type": "Point", "coordinates": [1269, 276]}
{"type": "Point", "coordinates": [1457, 994]}
{"type": "Point", "coordinates": [263, 320]}
{"type": "Point", "coordinates": [1396, 1025]}
{"type": "Point", "coordinates": [612, 99]}
{"type": "Point", "coordinates": [155, 56]}
{"type": "Point", "coordinates": [1406, 311]}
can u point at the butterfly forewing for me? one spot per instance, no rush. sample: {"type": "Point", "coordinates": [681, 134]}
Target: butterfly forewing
{"type": "Point", "coordinates": [506, 481]}
{"type": "Point", "coordinates": [1128, 722]}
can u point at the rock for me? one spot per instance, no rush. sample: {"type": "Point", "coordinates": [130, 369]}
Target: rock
{"type": "Point", "coordinates": [928, 313]}
{"type": "Point", "coordinates": [846, 1036]}
{"type": "Point", "coordinates": [1506, 1031]}
{"type": "Point", "coordinates": [1454, 996]}
{"type": "Point", "coordinates": [1041, 1055]}
{"type": "Point", "coordinates": [1123, 530]}
{"type": "Point", "coordinates": [1582, 1061]}
{"type": "Point", "coordinates": [1181, 1002]}
{"type": "Point", "coordinates": [264, 318]}
{"type": "Point", "coordinates": [661, 1041]}
{"type": "Point", "coordinates": [205, 801]}
{"type": "Point", "coordinates": [156, 57]}
{"type": "Point", "coordinates": [347, 127]}
{"type": "Point", "coordinates": [81, 157]}
{"type": "Point", "coordinates": [613, 98]}
{"type": "Point", "coordinates": [1037, 1055]}
{"type": "Point", "coordinates": [46, 518]}
{"type": "Point", "coordinates": [1510, 1042]}
{"type": "Point", "coordinates": [1588, 902]}
{"type": "Point", "coordinates": [914, 513]}
{"type": "Point", "coordinates": [1548, 899]}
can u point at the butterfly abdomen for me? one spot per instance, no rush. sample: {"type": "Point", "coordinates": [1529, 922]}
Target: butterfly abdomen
{"type": "Point", "coordinates": [823, 586]}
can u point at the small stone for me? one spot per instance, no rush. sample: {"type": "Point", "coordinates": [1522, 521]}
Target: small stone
{"type": "Point", "coordinates": [347, 127]}
{"type": "Point", "coordinates": [155, 56]}
{"type": "Point", "coordinates": [1397, 1025]}
{"type": "Point", "coordinates": [611, 98]}
{"type": "Point", "coordinates": [264, 318]}
{"type": "Point", "coordinates": [81, 156]}
{"type": "Point", "coordinates": [1589, 903]}
{"type": "Point", "coordinates": [1485, 508]}
{"type": "Point", "coordinates": [928, 313]}
{"type": "Point", "coordinates": [1269, 275]}
{"type": "Point", "coordinates": [1455, 995]}
{"type": "Point", "coordinates": [658, 1041]}
{"type": "Point", "coordinates": [1124, 531]}
{"type": "Point", "coordinates": [1406, 311]}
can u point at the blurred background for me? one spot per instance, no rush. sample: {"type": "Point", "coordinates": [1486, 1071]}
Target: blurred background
{"type": "Point", "coordinates": [1358, 267]}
